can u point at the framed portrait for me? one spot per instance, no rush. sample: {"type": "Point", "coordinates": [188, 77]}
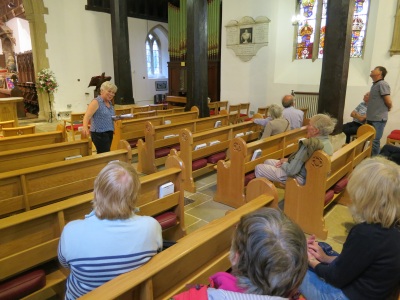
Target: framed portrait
{"type": "Point", "coordinates": [246, 35]}
{"type": "Point", "coordinates": [161, 85]}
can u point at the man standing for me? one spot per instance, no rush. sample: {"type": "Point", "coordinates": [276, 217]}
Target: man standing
{"type": "Point", "coordinates": [380, 103]}
{"type": "Point", "coordinates": [359, 114]}
{"type": "Point", "coordinates": [293, 115]}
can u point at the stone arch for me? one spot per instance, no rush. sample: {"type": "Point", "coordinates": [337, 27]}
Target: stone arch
{"type": "Point", "coordinates": [34, 12]}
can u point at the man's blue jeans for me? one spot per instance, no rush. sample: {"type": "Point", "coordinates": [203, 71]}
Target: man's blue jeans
{"type": "Point", "coordinates": [314, 288]}
{"type": "Point", "coordinates": [379, 127]}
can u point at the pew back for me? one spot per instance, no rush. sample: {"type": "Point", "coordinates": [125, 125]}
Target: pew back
{"type": "Point", "coordinates": [232, 173]}
{"type": "Point", "coordinates": [31, 140]}
{"type": "Point", "coordinates": [39, 155]}
{"type": "Point", "coordinates": [216, 141]}
{"type": "Point", "coordinates": [21, 130]}
{"type": "Point", "coordinates": [163, 136]}
{"type": "Point", "coordinates": [28, 188]}
{"type": "Point", "coordinates": [133, 129]}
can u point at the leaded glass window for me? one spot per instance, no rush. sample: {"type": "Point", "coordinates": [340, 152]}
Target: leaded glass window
{"type": "Point", "coordinates": [153, 55]}
{"type": "Point", "coordinates": [311, 24]}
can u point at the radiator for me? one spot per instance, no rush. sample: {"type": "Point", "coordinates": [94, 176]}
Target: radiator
{"type": "Point", "coordinates": [307, 100]}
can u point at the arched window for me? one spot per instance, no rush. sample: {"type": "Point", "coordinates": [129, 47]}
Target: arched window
{"type": "Point", "coordinates": [153, 51]}
{"type": "Point", "coordinates": [311, 20]}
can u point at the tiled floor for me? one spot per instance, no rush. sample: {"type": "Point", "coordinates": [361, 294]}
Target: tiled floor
{"type": "Point", "coordinates": [203, 209]}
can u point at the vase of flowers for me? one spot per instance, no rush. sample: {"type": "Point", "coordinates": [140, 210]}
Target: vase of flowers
{"type": "Point", "coordinates": [47, 83]}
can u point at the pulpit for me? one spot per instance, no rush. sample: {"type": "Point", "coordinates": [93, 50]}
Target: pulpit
{"type": "Point", "coordinates": [8, 109]}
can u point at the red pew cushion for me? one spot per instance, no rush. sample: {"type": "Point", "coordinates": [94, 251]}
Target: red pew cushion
{"type": "Point", "coordinates": [395, 135]}
{"type": "Point", "coordinates": [75, 126]}
{"type": "Point", "coordinates": [132, 143]}
{"type": "Point", "coordinates": [167, 219]}
{"type": "Point", "coordinates": [161, 152]}
{"type": "Point", "coordinates": [23, 285]}
{"type": "Point", "coordinates": [177, 147]}
{"type": "Point", "coordinates": [248, 177]}
{"type": "Point", "coordinates": [198, 164]}
{"type": "Point", "coordinates": [340, 185]}
{"type": "Point", "coordinates": [213, 159]}
{"type": "Point", "coordinates": [329, 196]}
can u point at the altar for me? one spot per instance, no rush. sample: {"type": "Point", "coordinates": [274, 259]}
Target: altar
{"type": "Point", "coordinates": [8, 109]}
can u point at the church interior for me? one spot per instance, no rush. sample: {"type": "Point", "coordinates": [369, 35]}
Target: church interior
{"type": "Point", "coordinates": [253, 53]}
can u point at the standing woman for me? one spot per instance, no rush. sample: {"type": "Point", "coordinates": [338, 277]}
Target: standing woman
{"type": "Point", "coordinates": [99, 113]}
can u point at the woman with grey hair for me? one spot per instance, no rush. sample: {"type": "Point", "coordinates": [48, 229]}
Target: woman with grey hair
{"type": "Point", "coordinates": [318, 130]}
{"type": "Point", "coordinates": [369, 265]}
{"type": "Point", "coordinates": [99, 114]}
{"type": "Point", "coordinates": [112, 239]}
{"type": "Point", "coordinates": [277, 124]}
{"type": "Point", "coordinates": [269, 260]}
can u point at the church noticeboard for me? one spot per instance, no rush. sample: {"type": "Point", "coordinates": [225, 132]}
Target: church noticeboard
{"type": "Point", "coordinates": [247, 36]}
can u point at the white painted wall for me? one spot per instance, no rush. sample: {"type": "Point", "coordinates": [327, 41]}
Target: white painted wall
{"type": "Point", "coordinates": [21, 33]}
{"type": "Point", "coordinates": [272, 73]}
{"type": "Point", "coordinates": [79, 47]}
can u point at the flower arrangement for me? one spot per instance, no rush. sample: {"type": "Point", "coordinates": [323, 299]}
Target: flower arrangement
{"type": "Point", "coordinates": [46, 81]}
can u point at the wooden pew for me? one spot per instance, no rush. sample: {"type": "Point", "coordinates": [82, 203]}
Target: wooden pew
{"type": "Point", "coordinates": [189, 141]}
{"type": "Point", "coordinates": [7, 124]}
{"type": "Point", "coordinates": [31, 140]}
{"type": "Point", "coordinates": [232, 173]}
{"type": "Point", "coordinates": [305, 204]}
{"type": "Point", "coordinates": [216, 106]}
{"type": "Point", "coordinates": [39, 155]}
{"type": "Point", "coordinates": [133, 129]}
{"type": "Point", "coordinates": [192, 260]}
{"type": "Point", "coordinates": [173, 100]}
{"type": "Point", "coordinates": [21, 130]}
{"type": "Point", "coordinates": [31, 238]}
{"type": "Point", "coordinates": [29, 188]}
{"type": "Point", "coordinates": [165, 136]}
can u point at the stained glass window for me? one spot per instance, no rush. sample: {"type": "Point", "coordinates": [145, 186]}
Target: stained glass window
{"type": "Point", "coordinates": [153, 55]}
{"type": "Point", "coordinates": [311, 24]}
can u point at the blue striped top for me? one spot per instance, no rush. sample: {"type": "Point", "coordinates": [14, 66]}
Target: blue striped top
{"type": "Point", "coordinates": [102, 119]}
{"type": "Point", "coordinates": [97, 250]}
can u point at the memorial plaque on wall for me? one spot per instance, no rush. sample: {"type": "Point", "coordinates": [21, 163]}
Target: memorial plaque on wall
{"type": "Point", "coordinates": [247, 36]}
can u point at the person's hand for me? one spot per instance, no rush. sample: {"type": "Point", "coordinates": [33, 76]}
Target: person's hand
{"type": "Point", "coordinates": [280, 162]}
{"type": "Point", "coordinates": [85, 132]}
{"type": "Point", "coordinates": [316, 251]}
{"type": "Point", "coordinates": [311, 239]}
{"type": "Point", "coordinates": [312, 260]}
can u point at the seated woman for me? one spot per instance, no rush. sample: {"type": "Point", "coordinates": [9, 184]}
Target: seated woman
{"type": "Point", "coordinates": [369, 265]}
{"type": "Point", "coordinates": [111, 240]}
{"type": "Point", "coordinates": [276, 124]}
{"type": "Point", "coordinates": [318, 130]}
{"type": "Point", "coordinates": [268, 257]}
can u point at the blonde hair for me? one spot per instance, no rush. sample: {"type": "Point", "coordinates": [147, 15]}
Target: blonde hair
{"type": "Point", "coordinates": [275, 111]}
{"type": "Point", "coordinates": [374, 188]}
{"type": "Point", "coordinates": [324, 123]}
{"type": "Point", "coordinates": [108, 86]}
{"type": "Point", "coordinates": [116, 189]}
